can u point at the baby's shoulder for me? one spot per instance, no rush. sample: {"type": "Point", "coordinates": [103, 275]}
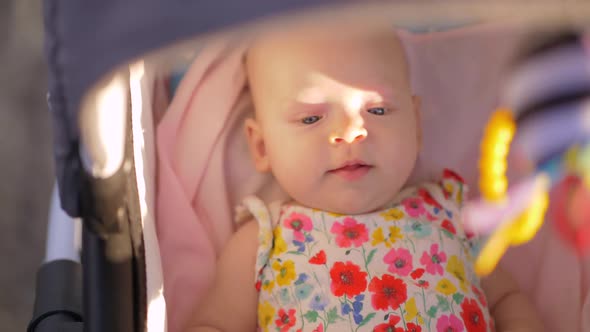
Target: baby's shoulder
{"type": "Point", "coordinates": [447, 191]}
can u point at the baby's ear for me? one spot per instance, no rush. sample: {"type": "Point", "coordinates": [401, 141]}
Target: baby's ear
{"type": "Point", "coordinates": [256, 145]}
{"type": "Point", "coordinates": [418, 111]}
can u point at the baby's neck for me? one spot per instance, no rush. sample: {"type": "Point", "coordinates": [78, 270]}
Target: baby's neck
{"type": "Point", "coordinates": [293, 202]}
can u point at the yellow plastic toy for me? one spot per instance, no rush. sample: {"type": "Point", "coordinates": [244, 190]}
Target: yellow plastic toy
{"type": "Point", "coordinates": [522, 226]}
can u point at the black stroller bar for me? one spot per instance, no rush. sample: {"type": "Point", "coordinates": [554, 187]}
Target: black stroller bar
{"type": "Point", "coordinates": [108, 292]}
{"type": "Point", "coordinates": [58, 303]}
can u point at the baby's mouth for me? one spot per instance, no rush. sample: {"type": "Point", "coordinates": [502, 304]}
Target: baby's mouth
{"type": "Point", "coordinates": [352, 170]}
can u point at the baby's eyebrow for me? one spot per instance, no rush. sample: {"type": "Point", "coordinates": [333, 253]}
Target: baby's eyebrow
{"type": "Point", "coordinates": [301, 108]}
{"type": "Point", "coordinates": [382, 92]}
{"type": "Point", "coordinates": [311, 95]}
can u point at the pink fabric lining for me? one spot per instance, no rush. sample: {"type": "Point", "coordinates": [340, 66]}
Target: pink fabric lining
{"type": "Point", "coordinates": [204, 167]}
{"type": "Point", "coordinates": [193, 215]}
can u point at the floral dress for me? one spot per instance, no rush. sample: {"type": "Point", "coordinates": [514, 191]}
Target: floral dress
{"type": "Point", "coordinates": [405, 268]}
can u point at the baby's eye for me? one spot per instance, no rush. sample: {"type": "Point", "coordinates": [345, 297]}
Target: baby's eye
{"type": "Point", "coordinates": [311, 119]}
{"type": "Point", "coordinates": [377, 110]}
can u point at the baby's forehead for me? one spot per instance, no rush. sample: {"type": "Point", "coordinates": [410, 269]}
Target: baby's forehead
{"type": "Point", "coordinates": [276, 54]}
{"type": "Point", "coordinates": [326, 42]}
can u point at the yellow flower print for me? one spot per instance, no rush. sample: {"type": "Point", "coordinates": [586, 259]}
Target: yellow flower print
{"type": "Point", "coordinates": [455, 267]}
{"type": "Point", "coordinates": [261, 215]}
{"type": "Point", "coordinates": [280, 246]}
{"type": "Point", "coordinates": [420, 320]}
{"type": "Point", "coordinates": [268, 285]}
{"type": "Point", "coordinates": [446, 287]}
{"type": "Point", "coordinates": [392, 214]}
{"type": "Point", "coordinates": [286, 272]}
{"type": "Point", "coordinates": [266, 313]}
{"type": "Point", "coordinates": [395, 233]}
{"type": "Point", "coordinates": [265, 238]}
{"type": "Point", "coordinates": [412, 311]}
{"type": "Point", "coordinates": [377, 236]}
{"type": "Point", "coordinates": [449, 188]}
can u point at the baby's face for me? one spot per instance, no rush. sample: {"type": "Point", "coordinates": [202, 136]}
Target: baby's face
{"type": "Point", "coordinates": [336, 122]}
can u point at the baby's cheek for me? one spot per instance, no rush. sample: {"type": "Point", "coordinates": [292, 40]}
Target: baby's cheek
{"type": "Point", "coordinates": [399, 165]}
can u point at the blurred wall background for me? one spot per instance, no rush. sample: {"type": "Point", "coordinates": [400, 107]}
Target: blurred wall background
{"type": "Point", "coordinates": [26, 166]}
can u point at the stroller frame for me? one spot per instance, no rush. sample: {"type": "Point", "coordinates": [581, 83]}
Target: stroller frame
{"type": "Point", "coordinates": [107, 290]}
{"type": "Point", "coordinates": [108, 294]}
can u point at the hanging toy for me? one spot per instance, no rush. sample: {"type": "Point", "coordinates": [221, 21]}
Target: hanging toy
{"type": "Point", "coordinates": [548, 120]}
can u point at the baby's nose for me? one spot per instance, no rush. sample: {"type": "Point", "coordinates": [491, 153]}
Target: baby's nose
{"type": "Point", "coordinates": [350, 135]}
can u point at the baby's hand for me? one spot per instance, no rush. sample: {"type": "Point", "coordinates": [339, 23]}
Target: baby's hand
{"type": "Point", "coordinates": [511, 310]}
{"type": "Point", "coordinates": [231, 303]}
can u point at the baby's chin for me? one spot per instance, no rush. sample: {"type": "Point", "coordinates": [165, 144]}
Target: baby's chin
{"type": "Point", "coordinates": [349, 205]}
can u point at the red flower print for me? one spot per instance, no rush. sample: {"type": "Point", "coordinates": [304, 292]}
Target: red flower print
{"type": "Point", "coordinates": [298, 222]}
{"type": "Point", "coordinates": [411, 327]}
{"type": "Point", "coordinates": [432, 261]}
{"type": "Point", "coordinates": [389, 326]}
{"type": "Point", "coordinates": [388, 292]}
{"type": "Point", "coordinates": [286, 320]}
{"type": "Point", "coordinates": [428, 199]}
{"type": "Point", "coordinates": [446, 224]}
{"type": "Point", "coordinates": [347, 279]}
{"type": "Point", "coordinates": [399, 260]}
{"type": "Point", "coordinates": [422, 284]}
{"type": "Point", "coordinates": [413, 206]}
{"type": "Point", "coordinates": [417, 273]}
{"type": "Point", "coordinates": [450, 175]}
{"type": "Point", "coordinates": [350, 232]}
{"type": "Point", "coordinates": [319, 258]}
{"type": "Point", "coordinates": [480, 297]}
{"type": "Point", "coordinates": [258, 285]}
{"type": "Point", "coordinates": [320, 328]}
{"type": "Point", "coordinates": [472, 316]}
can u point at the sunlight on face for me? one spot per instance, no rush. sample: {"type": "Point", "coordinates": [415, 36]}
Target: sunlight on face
{"type": "Point", "coordinates": [324, 89]}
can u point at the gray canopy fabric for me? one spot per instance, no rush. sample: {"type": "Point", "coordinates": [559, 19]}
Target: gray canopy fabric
{"type": "Point", "coordinates": [87, 39]}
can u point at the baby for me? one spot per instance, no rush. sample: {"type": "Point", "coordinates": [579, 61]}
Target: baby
{"type": "Point", "coordinates": [354, 248]}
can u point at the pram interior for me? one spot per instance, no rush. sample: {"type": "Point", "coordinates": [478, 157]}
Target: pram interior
{"type": "Point", "coordinates": [150, 85]}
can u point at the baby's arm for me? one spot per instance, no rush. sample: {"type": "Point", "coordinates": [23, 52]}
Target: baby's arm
{"type": "Point", "coordinates": [509, 307]}
{"type": "Point", "coordinates": [231, 302]}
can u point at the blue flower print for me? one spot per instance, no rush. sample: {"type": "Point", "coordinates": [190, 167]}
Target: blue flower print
{"type": "Point", "coordinates": [284, 296]}
{"type": "Point", "coordinates": [301, 279]}
{"type": "Point", "coordinates": [420, 229]}
{"type": "Point", "coordinates": [318, 302]}
{"type": "Point", "coordinates": [346, 309]}
{"type": "Point", "coordinates": [449, 213]}
{"type": "Point", "coordinates": [303, 291]}
{"type": "Point", "coordinates": [300, 245]}
{"type": "Point", "coordinates": [357, 307]}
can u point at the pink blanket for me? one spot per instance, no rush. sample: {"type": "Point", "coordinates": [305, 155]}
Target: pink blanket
{"type": "Point", "coordinates": [204, 168]}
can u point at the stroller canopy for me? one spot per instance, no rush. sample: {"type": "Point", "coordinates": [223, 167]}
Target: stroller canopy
{"type": "Point", "coordinates": [86, 40]}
